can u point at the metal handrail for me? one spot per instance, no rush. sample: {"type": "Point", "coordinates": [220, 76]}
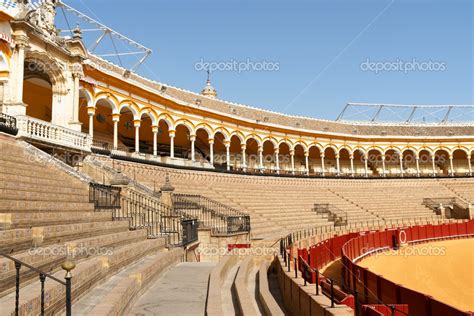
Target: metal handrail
{"type": "Point", "coordinates": [334, 214]}
{"type": "Point", "coordinates": [43, 275]}
{"type": "Point", "coordinates": [8, 124]}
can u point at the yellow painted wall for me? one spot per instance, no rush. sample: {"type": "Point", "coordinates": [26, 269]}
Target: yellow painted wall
{"type": "Point", "coordinates": [39, 100]}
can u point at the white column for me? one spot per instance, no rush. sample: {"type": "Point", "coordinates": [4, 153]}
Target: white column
{"type": "Point", "coordinates": [192, 138]}
{"type": "Point", "coordinates": [383, 165]}
{"type": "Point", "coordinates": [306, 160]}
{"type": "Point", "coordinates": [277, 160]}
{"type": "Point", "coordinates": [451, 167]}
{"type": "Point", "coordinates": [227, 154]}
{"type": "Point", "coordinates": [366, 166]}
{"type": "Point", "coordinates": [417, 166]}
{"type": "Point", "coordinates": [116, 119]}
{"type": "Point", "coordinates": [323, 169]}
{"type": "Point", "coordinates": [338, 166]}
{"type": "Point", "coordinates": [155, 129]}
{"type": "Point", "coordinates": [91, 112]}
{"type": "Point", "coordinates": [244, 157]}
{"type": "Point", "coordinates": [260, 156]}
{"type": "Point", "coordinates": [211, 150]}
{"type": "Point", "coordinates": [401, 165]}
{"type": "Point", "coordinates": [292, 156]}
{"type": "Point", "coordinates": [75, 110]}
{"type": "Point", "coordinates": [21, 43]}
{"type": "Point", "coordinates": [351, 157]}
{"type": "Point", "coordinates": [433, 164]}
{"type": "Point", "coordinates": [137, 135]}
{"type": "Point", "coordinates": [172, 134]}
{"type": "Point", "coordinates": [469, 164]}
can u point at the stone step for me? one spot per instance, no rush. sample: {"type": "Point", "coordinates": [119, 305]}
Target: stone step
{"type": "Point", "coordinates": [114, 295]}
{"type": "Point", "coordinates": [36, 219]}
{"type": "Point", "coordinates": [43, 206]}
{"type": "Point", "coordinates": [15, 240]}
{"type": "Point", "coordinates": [11, 175]}
{"type": "Point", "coordinates": [49, 257]}
{"type": "Point", "coordinates": [51, 196]}
{"type": "Point", "coordinates": [85, 276]}
{"type": "Point", "coordinates": [32, 185]}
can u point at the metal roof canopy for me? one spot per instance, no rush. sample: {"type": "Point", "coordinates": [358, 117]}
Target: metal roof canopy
{"type": "Point", "coordinates": [99, 32]}
{"type": "Point", "coordinates": [407, 114]}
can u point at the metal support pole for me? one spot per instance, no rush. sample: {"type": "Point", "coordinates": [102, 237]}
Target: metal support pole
{"type": "Point", "coordinates": [68, 295]}
{"type": "Point", "coordinates": [356, 302]}
{"type": "Point", "coordinates": [17, 288]}
{"type": "Point", "coordinates": [296, 269]}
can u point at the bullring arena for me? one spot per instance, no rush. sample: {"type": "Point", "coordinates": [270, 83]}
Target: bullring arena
{"type": "Point", "coordinates": [125, 196]}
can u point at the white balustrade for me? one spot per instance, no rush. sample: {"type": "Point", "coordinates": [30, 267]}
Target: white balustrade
{"type": "Point", "coordinates": [36, 129]}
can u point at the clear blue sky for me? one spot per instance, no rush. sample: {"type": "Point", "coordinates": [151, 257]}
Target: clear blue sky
{"type": "Point", "coordinates": [317, 46]}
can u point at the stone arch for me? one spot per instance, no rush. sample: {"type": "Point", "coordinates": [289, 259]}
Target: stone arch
{"type": "Point", "coordinates": [186, 123]}
{"type": "Point", "coordinates": [132, 106]}
{"type": "Point", "coordinates": [204, 127]}
{"type": "Point", "coordinates": [223, 131]}
{"type": "Point", "coordinates": [151, 114]}
{"type": "Point", "coordinates": [42, 62]}
{"type": "Point", "coordinates": [461, 161]}
{"type": "Point", "coordinates": [239, 135]}
{"type": "Point", "coordinates": [167, 119]}
{"type": "Point", "coordinates": [109, 99]}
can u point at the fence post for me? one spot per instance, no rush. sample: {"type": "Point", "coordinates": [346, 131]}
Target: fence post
{"type": "Point", "coordinates": [68, 265]}
{"type": "Point", "coordinates": [317, 282]}
{"type": "Point", "coordinates": [332, 292]}
{"type": "Point", "coordinates": [296, 268]}
{"type": "Point", "coordinates": [17, 287]}
{"type": "Point", "coordinates": [356, 302]}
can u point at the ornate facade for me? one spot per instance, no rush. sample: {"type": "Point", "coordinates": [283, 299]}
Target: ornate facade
{"type": "Point", "coordinates": [51, 82]}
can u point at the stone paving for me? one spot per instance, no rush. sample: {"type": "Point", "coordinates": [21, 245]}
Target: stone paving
{"type": "Point", "coordinates": [181, 291]}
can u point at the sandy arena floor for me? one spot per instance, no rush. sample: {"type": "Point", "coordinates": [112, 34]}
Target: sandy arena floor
{"type": "Point", "coordinates": [444, 270]}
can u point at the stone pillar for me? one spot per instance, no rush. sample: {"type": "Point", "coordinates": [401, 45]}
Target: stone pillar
{"type": "Point", "coordinates": [136, 123]}
{"type": "Point", "coordinates": [292, 156]}
{"type": "Point", "coordinates": [277, 160]}
{"type": "Point", "coordinates": [167, 192]}
{"type": "Point", "coordinates": [469, 164]}
{"type": "Point", "coordinates": [155, 130]}
{"type": "Point", "coordinates": [338, 166]}
{"type": "Point", "coordinates": [260, 157]}
{"type": "Point", "coordinates": [172, 134]}
{"type": "Point", "coordinates": [211, 150]}
{"type": "Point", "coordinates": [366, 166]}
{"type": "Point", "coordinates": [21, 43]}
{"type": "Point", "coordinates": [192, 138]}
{"type": "Point", "coordinates": [227, 154]}
{"type": "Point", "coordinates": [306, 161]}
{"type": "Point", "coordinates": [115, 119]}
{"type": "Point", "coordinates": [75, 109]}
{"type": "Point", "coordinates": [470, 209]}
{"type": "Point", "coordinates": [244, 158]}
{"type": "Point", "coordinates": [91, 113]}
{"type": "Point", "coordinates": [401, 165]}
{"type": "Point", "coordinates": [433, 164]}
{"type": "Point", "coordinates": [451, 167]}
{"type": "Point", "coordinates": [383, 166]}
{"type": "Point", "coordinates": [323, 168]}
{"type": "Point", "coordinates": [351, 157]}
{"type": "Point", "coordinates": [417, 166]}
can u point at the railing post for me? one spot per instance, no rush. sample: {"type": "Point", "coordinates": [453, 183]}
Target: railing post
{"type": "Point", "coordinates": [296, 268]}
{"type": "Point", "coordinates": [332, 292]}
{"type": "Point", "coordinates": [42, 279]}
{"type": "Point", "coordinates": [317, 282]}
{"type": "Point", "coordinates": [17, 288]}
{"type": "Point", "coordinates": [356, 302]}
{"type": "Point", "coordinates": [68, 265]}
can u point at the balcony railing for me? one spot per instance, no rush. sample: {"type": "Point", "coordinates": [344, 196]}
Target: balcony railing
{"type": "Point", "coordinates": [8, 124]}
{"type": "Point", "coordinates": [39, 130]}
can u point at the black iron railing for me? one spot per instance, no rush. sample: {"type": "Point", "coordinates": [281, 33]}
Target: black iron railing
{"type": "Point", "coordinates": [332, 213]}
{"type": "Point", "coordinates": [145, 212]}
{"type": "Point", "coordinates": [100, 147]}
{"type": "Point", "coordinates": [218, 217]}
{"type": "Point", "coordinates": [42, 277]}
{"type": "Point", "coordinates": [104, 197]}
{"type": "Point", "coordinates": [8, 124]}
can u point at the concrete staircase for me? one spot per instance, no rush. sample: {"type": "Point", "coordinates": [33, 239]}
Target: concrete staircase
{"type": "Point", "coordinates": [46, 218]}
